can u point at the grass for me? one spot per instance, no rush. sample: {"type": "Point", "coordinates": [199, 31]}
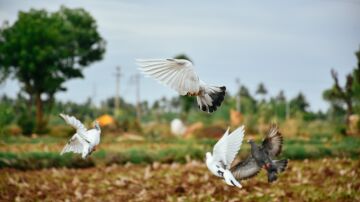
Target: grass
{"type": "Point", "coordinates": [40, 160]}
{"type": "Point", "coordinates": [43, 152]}
{"type": "Point", "coordinates": [5, 139]}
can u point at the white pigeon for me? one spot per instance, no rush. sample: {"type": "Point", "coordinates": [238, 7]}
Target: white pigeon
{"type": "Point", "coordinates": [179, 74]}
{"type": "Point", "coordinates": [177, 127]}
{"type": "Point", "coordinates": [224, 152]}
{"type": "Point", "coordinates": [84, 141]}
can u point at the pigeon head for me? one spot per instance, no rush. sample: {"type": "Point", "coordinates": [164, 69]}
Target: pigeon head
{"type": "Point", "coordinates": [96, 125]}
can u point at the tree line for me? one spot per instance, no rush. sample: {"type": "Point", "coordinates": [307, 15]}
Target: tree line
{"type": "Point", "coordinates": [43, 50]}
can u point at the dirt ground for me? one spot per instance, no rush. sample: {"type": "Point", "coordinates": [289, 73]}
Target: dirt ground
{"type": "Point", "coordinates": [309, 180]}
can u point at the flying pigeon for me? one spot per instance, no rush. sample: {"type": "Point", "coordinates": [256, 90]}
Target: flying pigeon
{"type": "Point", "coordinates": [179, 74]}
{"type": "Point", "coordinates": [83, 141]}
{"type": "Point", "coordinates": [223, 155]}
{"type": "Point", "coordinates": [262, 156]}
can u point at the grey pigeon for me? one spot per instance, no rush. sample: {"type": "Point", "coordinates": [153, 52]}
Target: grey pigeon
{"type": "Point", "coordinates": [262, 157]}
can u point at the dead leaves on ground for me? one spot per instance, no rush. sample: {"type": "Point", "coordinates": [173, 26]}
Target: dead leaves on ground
{"type": "Point", "coordinates": [308, 180]}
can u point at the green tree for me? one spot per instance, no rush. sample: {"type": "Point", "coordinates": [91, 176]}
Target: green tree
{"type": "Point", "coordinates": [347, 95]}
{"type": "Point", "coordinates": [262, 91]}
{"type": "Point", "coordinates": [281, 97]}
{"type": "Point", "coordinates": [42, 50]}
{"type": "Point", "coordinates": [299, 103]}
{"type": "Point", "coordinates": [248, 102]}
{"type": "Point", "coordinates": [281, 105]}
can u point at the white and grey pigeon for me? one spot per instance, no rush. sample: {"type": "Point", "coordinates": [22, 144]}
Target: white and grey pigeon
{"type": "Point", "coordinates": [179, 74]}
{"type": "Point", "coordinates": [224, 152]}
{"type": "Point", "coordinates": [84, 141]}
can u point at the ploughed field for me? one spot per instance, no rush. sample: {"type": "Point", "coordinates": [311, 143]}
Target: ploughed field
{"type": "Point", "coordinates": [329, 179]}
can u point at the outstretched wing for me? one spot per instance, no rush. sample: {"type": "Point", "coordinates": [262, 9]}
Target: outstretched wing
{"type": "Point", "coordinates": [228, 146]}
{"type": "Point", "coordinates": [74, 145]}
{"type": "Point", "coordinates": [234, 141]}
{"type": "Point", "coordinates": [245, 169]}
{"type": "Point", "coordinates": [219, 151]}
{"type": "Point", "coordinates": [273, 141]}
{"type": "Point", "coordinates": [80, 128]}
{"type": "Point", "coordinates": [177, 74]}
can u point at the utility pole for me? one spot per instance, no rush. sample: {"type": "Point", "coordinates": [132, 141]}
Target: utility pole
{"type": "Point", "coordinates": [117, 93]}
{"type": "Point", "coordinates": [138, 107]}
{"type": "Point", "coordinates": [238, 104]}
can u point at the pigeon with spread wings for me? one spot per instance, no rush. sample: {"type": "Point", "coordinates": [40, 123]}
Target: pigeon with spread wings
{"type": "Point", "coordinates": [180, 75]}
{"type": "Point", "coordinates": [83, 141]}
{"type": "Point", "coordinates": [262, 156]}
{"type": "Point", "coordinates": [224, 153]}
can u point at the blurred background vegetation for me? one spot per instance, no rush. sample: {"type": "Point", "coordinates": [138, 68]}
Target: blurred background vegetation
{"type": "Point", "coordinates": [42, 50]}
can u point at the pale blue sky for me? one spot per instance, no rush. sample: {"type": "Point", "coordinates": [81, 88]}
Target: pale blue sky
{"type": "Point", "coordinates": [289, 45]}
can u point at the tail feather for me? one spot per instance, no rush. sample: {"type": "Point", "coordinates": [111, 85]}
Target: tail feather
{"type": "Point", "coordinates": [211, 99]}
{"type": "Point", "coordinates": [281, 165]}
{"type": "Point", "coordinates": [272, 176]}
{"type": "Point", "coordinates": [276, 167]}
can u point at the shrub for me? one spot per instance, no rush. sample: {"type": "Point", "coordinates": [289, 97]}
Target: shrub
{"type": "Point", "coordinates": [61, 131]}
{"type": "Point", "coordinates": [12, 130]}
{"type": "Point", "coordinates": [26, 123]}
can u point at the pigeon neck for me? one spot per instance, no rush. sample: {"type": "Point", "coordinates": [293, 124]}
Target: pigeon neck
{"type": "Point", "coordinates": [253, 145]}
{"type": "Point", "coordinates": [97, 127]}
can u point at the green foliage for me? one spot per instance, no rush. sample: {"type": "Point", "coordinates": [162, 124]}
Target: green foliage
{"type": "Point", "coordinates": [42, 50]}
{"type": "Point", "coordinates": [165, 151]}
{"type": "Point", "coordinates": [40, 160]}
{"type": "Point", "coordinates": [299, 103]}
{"type": "Point", "coordinates": [261, 90]}
{"type": "Point", "coordinates": [26, 123]}
{"type": "Point", "coordinates": [6, 113]}
{"type": "Point", "coordinates": [345, 97]}
{"type": "Point", "coordinates": [248, 102]}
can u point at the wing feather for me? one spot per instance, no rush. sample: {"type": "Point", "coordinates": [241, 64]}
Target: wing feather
{"type": "Point", "coordinates": [177, 74]}
{"type": "Point", "coordinates": [234, 141]}
{"type": "Point", "coordinates": [273, 141]}
{"type": "Point", "coordinates": [75, 123]}
{"type": "Point", "coordinates": [245, 169]}
{"type": "Point", "coordinates": [219, 151]}
{"type": "Point", "coordinates": [228, 146]}
{"type": "Point", "coordinates": [73, 145]}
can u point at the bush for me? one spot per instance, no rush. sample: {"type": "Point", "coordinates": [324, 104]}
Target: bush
{"type": "Point", "coordinates": [61, 131]}
{"type": "Point", "coordinates": [26, 123]}
{"type": "Point", "coordinates": [40, 160]}
{"type": "Point", "coordinates": [12, 130]}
